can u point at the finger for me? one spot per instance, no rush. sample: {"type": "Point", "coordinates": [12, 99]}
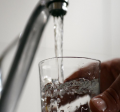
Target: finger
{"type": "Point", "coordinates": [116, 63]}
{"type": "Point", "coordinates": [108, 101]}
{"type": "Point", "coordinates": [115, 67]}
{"type": "Point", "coordinates": [115, 73]}
{"type": "Point", "coordinates": [109, 72]}
{"type": "Point", "coordinates": [106, 77]}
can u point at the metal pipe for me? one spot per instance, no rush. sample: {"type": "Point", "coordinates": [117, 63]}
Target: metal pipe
{"type": "Point", "coordinates": [26, 51]}
{"type": "Point", "coordinates": [3, 55]}
{"type": "Point", "coordinates": [23, 59]}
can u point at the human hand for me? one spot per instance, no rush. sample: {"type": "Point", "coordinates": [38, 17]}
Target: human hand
{"type": "Point", "coordinates": [109, 99]}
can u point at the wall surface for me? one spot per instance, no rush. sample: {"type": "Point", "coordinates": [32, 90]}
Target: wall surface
{"type": "Point", "coordinates": [91, 29]}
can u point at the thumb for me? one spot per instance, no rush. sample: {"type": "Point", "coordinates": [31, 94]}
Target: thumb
{"type": "Point", "coordinates": [109, 100]}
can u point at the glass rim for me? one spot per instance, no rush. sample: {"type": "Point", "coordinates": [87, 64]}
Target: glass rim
{"type": "Point", "coordinates": [72, 57]}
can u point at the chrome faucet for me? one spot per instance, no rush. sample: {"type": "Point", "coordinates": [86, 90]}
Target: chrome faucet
{"type": "Point", "coordinates": [26, 50]}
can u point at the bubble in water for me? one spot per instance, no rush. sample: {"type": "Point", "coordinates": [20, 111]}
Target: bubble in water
{"type": "Point", "coordinates": [55, 90]}
{"type": "Point", "coordinates": [57, 104]}
{"type": "Point", "coordinates": [76, 107]}
{"type": "Point", "coordinates": [81, 81]}
{"type": "Point", "coordinates": [68, 93]}
{"type": "Point", "coordinates": [73, 90]}
{"type": "Point", "coordinates": [93, 83]}
{"type": "Point", "coordinates": [43, 94]}
{"type": "Point", "coordinates": [42, 100]}
{"type": "Point", "coordinates": [89, 91]}
{"type": "Point", "coordinates": [55, 93]}
{"type": "Point", "coordinates": [89, 73]}
{"type": "Point", "coordinates": [53, 108]}
{"type": "Point", "coordinates": [43, 108]}
{"type": "Point", "coordinates": [45, 98]}
{"type": "Point", "coordinates": [46, 79]}
{"type": "Point", "coordinates": [84, 90]}
{"type": "Point", "coordinates": [49, 93]}
{"type": "Point", "coordinates": [72, 93]}
{"type": "Point", "coordinates": [45, 104]}
{"type": "Point", "coordinates": [80, 90]}
{"type": "Point", "coordinates": [55, 81]}
{"type": "Point", "coordinates": [74, 84]}
{"type": "Point", "coordinates": [86, 84]}
{"type": "Point", "coordinates": [58, 100]}
{"type": "Point", "coordinates": [62, 92]}
{"type": "Point", "coordinates": [61, 96]}
{"type": "Point", "coordinates": [83, 108]}
{"type": "Point", "coordinates": [52, 100]}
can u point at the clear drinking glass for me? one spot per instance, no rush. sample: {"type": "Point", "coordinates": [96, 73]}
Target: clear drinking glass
{"type": "Point", "coordinates": [68, 83]}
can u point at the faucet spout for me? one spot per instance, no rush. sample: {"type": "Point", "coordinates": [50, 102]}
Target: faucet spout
{"type": "Point", "coordinates": [57, 7]}
{"type": "Point", "coordinates": [26, 51]}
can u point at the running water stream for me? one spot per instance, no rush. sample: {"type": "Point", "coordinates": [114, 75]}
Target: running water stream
{"type": "Point", "coordinates": [58, 36]}
{"type": "Point", "coordinates": [70, 96]}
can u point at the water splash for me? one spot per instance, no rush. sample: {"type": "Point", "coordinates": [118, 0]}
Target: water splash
{"type": "Point", "coordinates": [56, 98]}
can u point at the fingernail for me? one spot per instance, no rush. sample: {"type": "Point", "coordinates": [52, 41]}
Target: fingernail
{"type": "Point", "coordinates": [99, 104]}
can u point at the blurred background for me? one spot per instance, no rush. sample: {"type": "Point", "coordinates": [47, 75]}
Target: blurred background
{"type": "Point", "coordinates": [91, 29]}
